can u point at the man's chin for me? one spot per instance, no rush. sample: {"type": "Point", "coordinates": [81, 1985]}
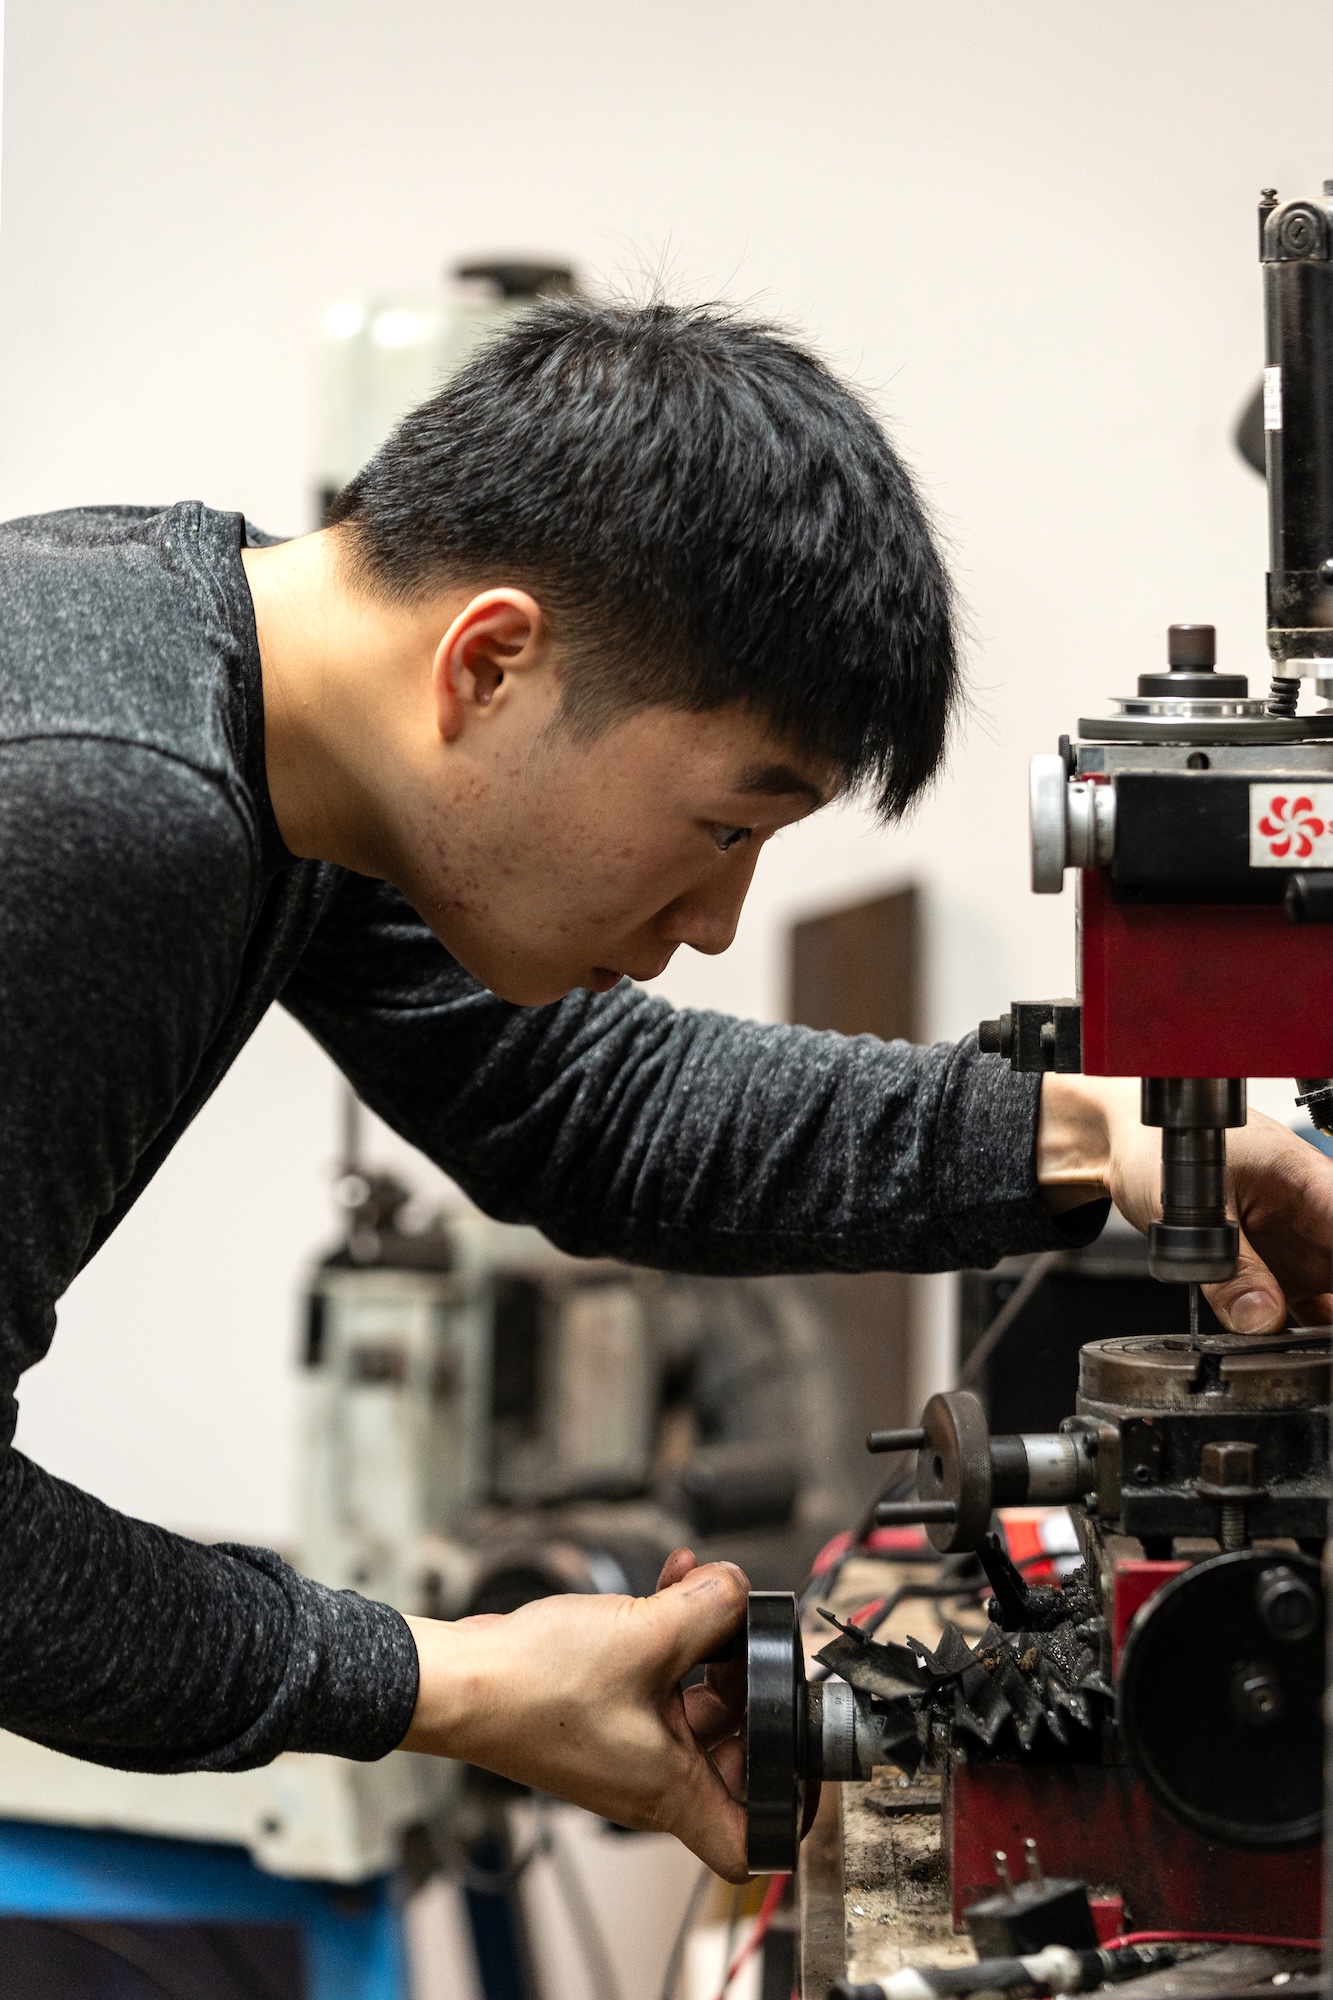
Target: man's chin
{"type": "Point", "coordinates": [540, 985]}
{"type": "Point", "coordinates": [540, 988]}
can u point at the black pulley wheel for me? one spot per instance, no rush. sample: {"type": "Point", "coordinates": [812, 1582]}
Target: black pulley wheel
{"type": "Point", "coordinates": [1219, 1698]}
{"type": "Point", "coordinates": [774, 1733]}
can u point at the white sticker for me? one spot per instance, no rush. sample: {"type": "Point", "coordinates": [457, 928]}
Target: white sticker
{"type": "Point", "coordinates": [1291, 826]}
{"type": "Point", "coordinates": [1272, 399]}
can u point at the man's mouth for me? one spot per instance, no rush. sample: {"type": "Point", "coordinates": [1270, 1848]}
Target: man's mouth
{"type": "Point", "coordinates": [603, 978]}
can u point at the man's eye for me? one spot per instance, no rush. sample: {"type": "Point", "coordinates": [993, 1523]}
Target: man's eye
{"type": "Point", "coordinates": [728, 836]}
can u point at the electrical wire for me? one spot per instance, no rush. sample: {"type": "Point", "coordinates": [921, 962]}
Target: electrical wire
{"type": "Point", "coordinates": [768, 1909]}
{"type": "Point", "coordinates": [1005, 1317]}
{"type": "Point", "coordinates": [671, 1977]}
{"type": "Point", "coordinates": [119, 1943]}
{"type": "Point", "coordinates": [592, 1945]}
{"type": "Point", "coordinates": [733, 1922]}
{"type": "Point", "coordinates": [1212, 1937]}
{"type": "Point", "coordinates": [826, 1579]}
{"type": "Point", "coordinates": [494, 1881]}
{"type": "Point", "coordinates": [1295, 1986]}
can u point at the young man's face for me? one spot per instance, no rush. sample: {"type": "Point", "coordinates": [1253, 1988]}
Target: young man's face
{"type": "Point", "coordinates": [567, 863]}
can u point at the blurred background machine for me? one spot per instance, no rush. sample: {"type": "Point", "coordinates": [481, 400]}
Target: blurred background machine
{"type": "Point", "coordinates": [488, 1420]}
{"type": "Point", "coordinates": [1145, 1722]}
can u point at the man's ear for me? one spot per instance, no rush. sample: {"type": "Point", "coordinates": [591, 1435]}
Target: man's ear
{"type": "Point", "coordinates": [500, 634]}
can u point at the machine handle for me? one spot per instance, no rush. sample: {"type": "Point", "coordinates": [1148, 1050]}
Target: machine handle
{"type": "Point", "coordinates": [1309, 897]}
{"type": "Point", "coordinates": [895, 1440]}
{"type": "Point", "coordinates": [914, 1513]}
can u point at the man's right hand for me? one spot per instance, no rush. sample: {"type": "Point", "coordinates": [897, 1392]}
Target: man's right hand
{"type": "Point", "coordinates": [1091, 1140]}
{"type": "Point", "coordinates": [580, 1696]}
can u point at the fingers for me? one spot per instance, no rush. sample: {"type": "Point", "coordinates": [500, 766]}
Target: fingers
{"type": "Point", "coordinates": [714, 1713]}
{"type": "Point", "coordinates": [1283, 1189]}
{"type": "Point", "coordinates": [729, 1763]}
{"type": "Point", "coordinates": [712, 1823]}
{"type": "Point", "coordinates": [677, 1565]}
{"type": "Point", "coordinates": [1252, 1301]}
{"type": "Point", "coordinates": [702, 1611]}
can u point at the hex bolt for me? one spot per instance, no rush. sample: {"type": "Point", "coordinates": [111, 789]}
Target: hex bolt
{"type": "Point", "coordinates": [1226, 1474]}
{"type": "Point", "coordinates": [1228, 1464]}
{"type": "Point", "coordinates": [1256, 1694]}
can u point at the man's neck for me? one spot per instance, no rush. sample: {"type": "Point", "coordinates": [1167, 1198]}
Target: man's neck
{"type": "Point", "coordinates": [341, 673]}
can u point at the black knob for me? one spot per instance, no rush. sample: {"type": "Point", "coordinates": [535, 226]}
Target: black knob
{"type": "Point", "coordinates": [915, 1513]}
{"type": "Point", "coordinates": [996, 1038]}
{"type": "Point", "coordinates": [895, 1440]}
{"type": "Point", "coordinates": [1191, 660]}
{"type": "Point", "coordinates": [1287, 1605]}
{"type": "Point", "coordinates": [1190, 648]}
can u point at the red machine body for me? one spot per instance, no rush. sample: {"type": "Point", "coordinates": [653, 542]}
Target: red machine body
{"type": "Point", "coordinates": [1201, 989]}
{"type": "Point", "coordinates": [1099, 1824]}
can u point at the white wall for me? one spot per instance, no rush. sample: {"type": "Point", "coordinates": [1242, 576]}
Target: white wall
{"type": "Point", "coordinates": [1028, 230]}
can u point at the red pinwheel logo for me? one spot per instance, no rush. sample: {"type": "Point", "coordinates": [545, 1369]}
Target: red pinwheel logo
{"type": "Point", "coordinates": [1291, 826]}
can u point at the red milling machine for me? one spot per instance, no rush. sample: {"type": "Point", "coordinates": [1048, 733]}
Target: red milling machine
{"type": "Point", "coordinates": [1156, 1722]}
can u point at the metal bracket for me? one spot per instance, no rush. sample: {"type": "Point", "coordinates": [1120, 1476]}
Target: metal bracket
{"type": "Point", "coordinates": [1037, 1035]}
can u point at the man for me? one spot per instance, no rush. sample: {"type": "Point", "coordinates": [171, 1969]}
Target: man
{"type": "Point", "coordinates": [639, 588]}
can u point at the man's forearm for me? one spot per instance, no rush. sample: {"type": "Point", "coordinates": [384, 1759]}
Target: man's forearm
{"type": "Point", "coordinates": [622, 1127]}
{"type": "Point", "coordinates": [129, 1646]}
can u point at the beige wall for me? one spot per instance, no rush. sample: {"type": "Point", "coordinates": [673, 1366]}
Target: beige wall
{"type": "Point", "coordinates": [1027, 229]}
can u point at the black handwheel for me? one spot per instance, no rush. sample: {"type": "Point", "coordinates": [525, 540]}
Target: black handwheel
{"type": "Point", "coordinates": [775, 1732]}
{"type": "Point", "coordinates": [954, 1464]}
{"type": "Point", "coordinates": [1220, 1693]}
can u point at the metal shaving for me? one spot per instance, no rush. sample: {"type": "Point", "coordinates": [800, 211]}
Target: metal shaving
{"type": "Point", "coordinates": [1033, 1686]}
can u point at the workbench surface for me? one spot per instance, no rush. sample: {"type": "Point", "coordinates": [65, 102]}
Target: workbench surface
{"type": "Point", "coordinates": [874, 1891]}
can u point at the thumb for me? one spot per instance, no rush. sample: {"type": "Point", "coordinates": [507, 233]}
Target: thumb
{"type": "Point", "coordinates": [1252, 1301]}
{"type": "Point", "coordinates": [702, 1611]}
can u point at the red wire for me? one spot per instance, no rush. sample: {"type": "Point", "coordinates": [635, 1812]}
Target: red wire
{"type": "Point", "coordinates": [768, 1909]}
{"type": "Point", "coordinates": [1211, 1937]}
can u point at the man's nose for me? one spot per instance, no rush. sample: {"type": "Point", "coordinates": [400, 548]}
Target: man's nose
{"type": "Point", "coordinates": [706, 916]}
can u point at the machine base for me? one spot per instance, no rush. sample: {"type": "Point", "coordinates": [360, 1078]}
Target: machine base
{"type": "Point", "coordinates": [1099, 1823]}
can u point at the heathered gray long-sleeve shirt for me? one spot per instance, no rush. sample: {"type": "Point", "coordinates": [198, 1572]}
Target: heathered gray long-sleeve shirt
{"type": "Point", "coordinates": [149, 915]}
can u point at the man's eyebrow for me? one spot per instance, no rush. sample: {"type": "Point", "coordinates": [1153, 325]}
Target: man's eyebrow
{"type": "Point", "coordinates": [778, 781]}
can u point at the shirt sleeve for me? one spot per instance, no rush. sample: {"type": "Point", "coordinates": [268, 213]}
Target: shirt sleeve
{"type": "Point", "coordinates": [126, 886]}
{"type": "Point", "coordinates": [621, 1126]}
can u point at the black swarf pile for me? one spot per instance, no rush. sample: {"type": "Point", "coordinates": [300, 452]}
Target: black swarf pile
{"type": "Point", "coordinates": [1033, 1686]}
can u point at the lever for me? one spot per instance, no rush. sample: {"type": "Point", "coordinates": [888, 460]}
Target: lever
{"type": "Point", "coordinates": [914, 1513]}
{"type": "Point", "coordinates": [895, 1440]}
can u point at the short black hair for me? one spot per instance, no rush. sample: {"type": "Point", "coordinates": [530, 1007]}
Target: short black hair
{"type": "Point", "coordinates": [706, 512]}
